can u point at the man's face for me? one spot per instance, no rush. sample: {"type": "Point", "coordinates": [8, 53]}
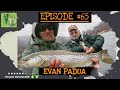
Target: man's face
{"type": "Point", "coordinates": [47, 34]}
{"type": "Point", "coordinates": [74, 34]}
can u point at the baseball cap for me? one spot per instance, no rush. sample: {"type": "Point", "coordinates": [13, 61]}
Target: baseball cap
{"type": "Point", "coordinates": [72, 27]}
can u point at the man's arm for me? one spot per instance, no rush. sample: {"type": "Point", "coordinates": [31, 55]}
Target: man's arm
{"type": "Point", "coordinates": [97, 42]}
{"type": "Point", "coordinates": [78, 48]}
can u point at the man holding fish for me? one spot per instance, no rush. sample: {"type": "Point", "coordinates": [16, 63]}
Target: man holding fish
{"type": "Point", "coordinates": [44, 38]}
{"type": "Point", "coordinates": [88, 43]}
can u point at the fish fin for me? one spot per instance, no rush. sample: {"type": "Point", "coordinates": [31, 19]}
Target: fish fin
{"type": "Point", "coordinates": [105, 51]}
{"type": "Point", "coordinates": [106, 57]}
{"type": "Point", "coordinates": [68, 50]}
{"type": "Point", "coordinates": [92, 65]}
{"type": "Point", "coordinates": [19, 68]}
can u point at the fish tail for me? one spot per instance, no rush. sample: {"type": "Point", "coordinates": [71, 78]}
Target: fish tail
{"type": "Point", "coordinates": [106, 57]}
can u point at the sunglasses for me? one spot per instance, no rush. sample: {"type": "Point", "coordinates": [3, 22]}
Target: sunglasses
{"type": "Point", "coordinates": [44, 28]}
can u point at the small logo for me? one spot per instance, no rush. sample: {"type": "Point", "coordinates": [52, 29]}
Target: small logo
{"type": "Point", "coordinates": [8, 19]}
{"type": "Point", "coordinates": [34, 76]}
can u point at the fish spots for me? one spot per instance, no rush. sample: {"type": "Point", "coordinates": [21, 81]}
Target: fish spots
{"type": "Point", "coordinates": [70, 59]}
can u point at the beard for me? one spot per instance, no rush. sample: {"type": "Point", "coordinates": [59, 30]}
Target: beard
{"type": "Point", "coordinates": [74, 38]}
{"type": "Point", "coordinates": [48, 37]}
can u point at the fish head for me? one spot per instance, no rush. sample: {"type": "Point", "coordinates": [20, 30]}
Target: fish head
{"type": "Point", "coordinates": [23, 64]}
{"type": "Point", "coordinates": [32, 63]}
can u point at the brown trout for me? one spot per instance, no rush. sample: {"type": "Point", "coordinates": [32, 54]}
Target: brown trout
{"type": "Point", "coordinates": [69, 59]}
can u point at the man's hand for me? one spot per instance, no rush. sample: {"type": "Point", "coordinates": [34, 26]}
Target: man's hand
{"type": "Point", "coordinates": [96, 61]}
{"type": "Point", "coordinates": [55, 64]}
{"type": "Point", "coordinates": [86, 48]}
{"type": "Point", "coordinates": [90, 50]}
